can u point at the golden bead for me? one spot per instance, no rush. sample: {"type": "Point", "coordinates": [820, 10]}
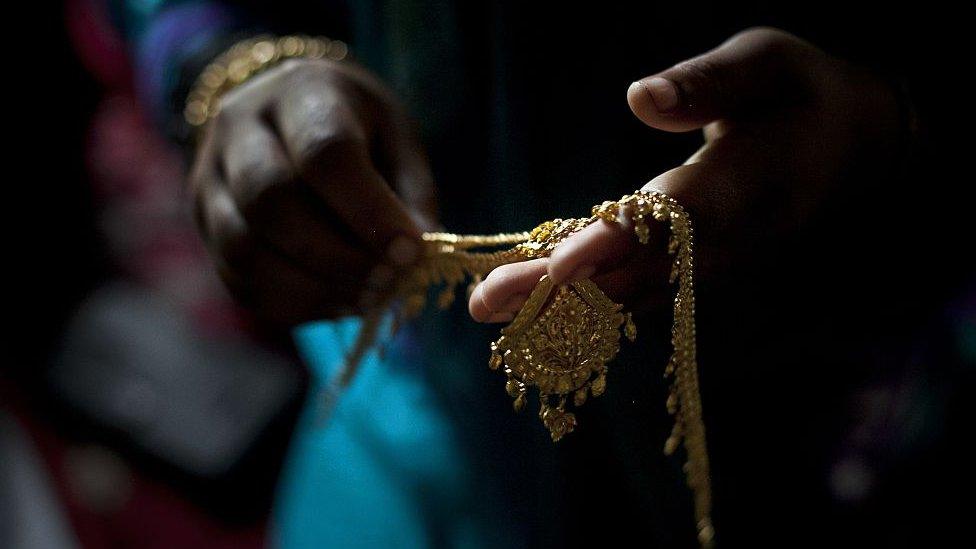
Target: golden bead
{"type": "Point", "coordinates": [599, 385]}
{"type": "Point", "coordinates": [519, 403]}
{"type": "Point", "coordinates": [579, 398]}
{"type": "Point", "coordinates": [495, 361]}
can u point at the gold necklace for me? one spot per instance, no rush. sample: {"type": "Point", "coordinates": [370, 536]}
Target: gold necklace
{"type": "Point", "coordinates": [562, 339]}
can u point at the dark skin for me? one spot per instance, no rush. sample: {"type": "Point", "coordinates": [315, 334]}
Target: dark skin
{"type": "Point", "coordinates": [312, 190]}
{"type": "Point", "coordinates": [785, 126]}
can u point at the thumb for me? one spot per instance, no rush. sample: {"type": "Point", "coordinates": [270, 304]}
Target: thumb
{"type": "Point", "coordinates": [749, 71]}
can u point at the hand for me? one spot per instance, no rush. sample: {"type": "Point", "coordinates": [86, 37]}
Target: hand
{"type": "Point", "coordinates": [787, 129]}
{"type": "Point", "coordinates": [310, 189]}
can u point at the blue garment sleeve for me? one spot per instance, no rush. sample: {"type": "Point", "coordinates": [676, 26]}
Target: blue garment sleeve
{"type": "Point", "coordinates": [385, 468]}
{"type": "Point", "coordinates": [169, 41]}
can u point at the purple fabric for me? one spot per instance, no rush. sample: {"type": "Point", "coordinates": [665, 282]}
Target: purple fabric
{"type": "Point", "coordinates": [171, 38]}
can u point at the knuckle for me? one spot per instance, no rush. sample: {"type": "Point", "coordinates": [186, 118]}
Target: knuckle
{"type": "Point", "coordinates": [701, 77]}
{"type": "Point", "coordinates": [697, 69]}
{"type": "Point", "coordinates": [765, 33]}
{"type": "Point", "coordinates": [234, 106]}
{"type": "Point", "coordinates": [327, 145]}
{"type": "Point", "coordinates": [250, 176]}
{"type": "Point", "coordinates": [312, 81]}
{"type": "Point", "coordinates": [257, 183]}
{"type": "Point", "coordinates": [770, 43]}
{"type": "Point", "coordinates": [497, 286]}
{"type": "Point", "coordinates": [290, 66]}
{"type": "Point", "coordinates": [674, 183]}
{"type": "Point", "coordinates": [226, 120]}
{"type": "Point", "coordinates": [299, 69]}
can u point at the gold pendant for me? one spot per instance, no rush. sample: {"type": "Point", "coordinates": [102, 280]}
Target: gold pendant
{"type": "Point", "coordinates": [560, 343]}
{"type": "Point", "coordinates": [564, 337]}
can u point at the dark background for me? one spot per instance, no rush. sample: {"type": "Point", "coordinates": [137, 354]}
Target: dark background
{"type": "Point", "coordinates": [906, 308]}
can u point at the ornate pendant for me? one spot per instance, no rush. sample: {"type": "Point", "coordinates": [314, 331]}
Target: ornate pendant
{"type": "Point", "coordinates": [561, 342]}
{"type": "Point", "coordinates": [564, 337]}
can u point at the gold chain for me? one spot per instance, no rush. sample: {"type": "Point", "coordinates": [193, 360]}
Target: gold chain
{"type": "Point", "coordinates": [563, 337]}
{"type": "Point", "coordinates": [684, 401]}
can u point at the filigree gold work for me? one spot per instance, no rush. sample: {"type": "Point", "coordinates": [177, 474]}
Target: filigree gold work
{"type": "Point", "coordinates": [563, 339]}
{"type": "Point", "coordinates": [560, 342]}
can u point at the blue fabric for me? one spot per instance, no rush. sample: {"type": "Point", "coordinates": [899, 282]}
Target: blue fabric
{"type": "Point", "coordinates": [174, 35]}
{"type": "Point", "coordinates": [385, 469]}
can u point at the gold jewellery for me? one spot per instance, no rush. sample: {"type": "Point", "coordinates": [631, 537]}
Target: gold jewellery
{"type": "Point", "coordinates": [246, 59]}
{"type": "Point", "coordinates": [562, 340]}
{"type": "Point", "coordinates": [564, 337]}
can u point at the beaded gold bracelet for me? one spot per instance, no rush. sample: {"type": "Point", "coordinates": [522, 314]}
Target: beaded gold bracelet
{"type": "Point", "coordinates": [244, 60]}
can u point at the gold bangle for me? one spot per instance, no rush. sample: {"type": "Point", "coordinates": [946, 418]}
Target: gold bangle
{"type": "Point", "coordinates": [246, 59]}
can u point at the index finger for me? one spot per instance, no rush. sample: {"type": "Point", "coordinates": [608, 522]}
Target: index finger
{"type": "Point", "coordinates": [328, 145]}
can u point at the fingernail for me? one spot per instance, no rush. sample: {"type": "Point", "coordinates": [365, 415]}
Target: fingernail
{"type": "Point", "coordinates": [403, 251]}
{"type": "Point", "coordinates": [581, 272]}
{"type": "Point", "coordinates": [663, 93]}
